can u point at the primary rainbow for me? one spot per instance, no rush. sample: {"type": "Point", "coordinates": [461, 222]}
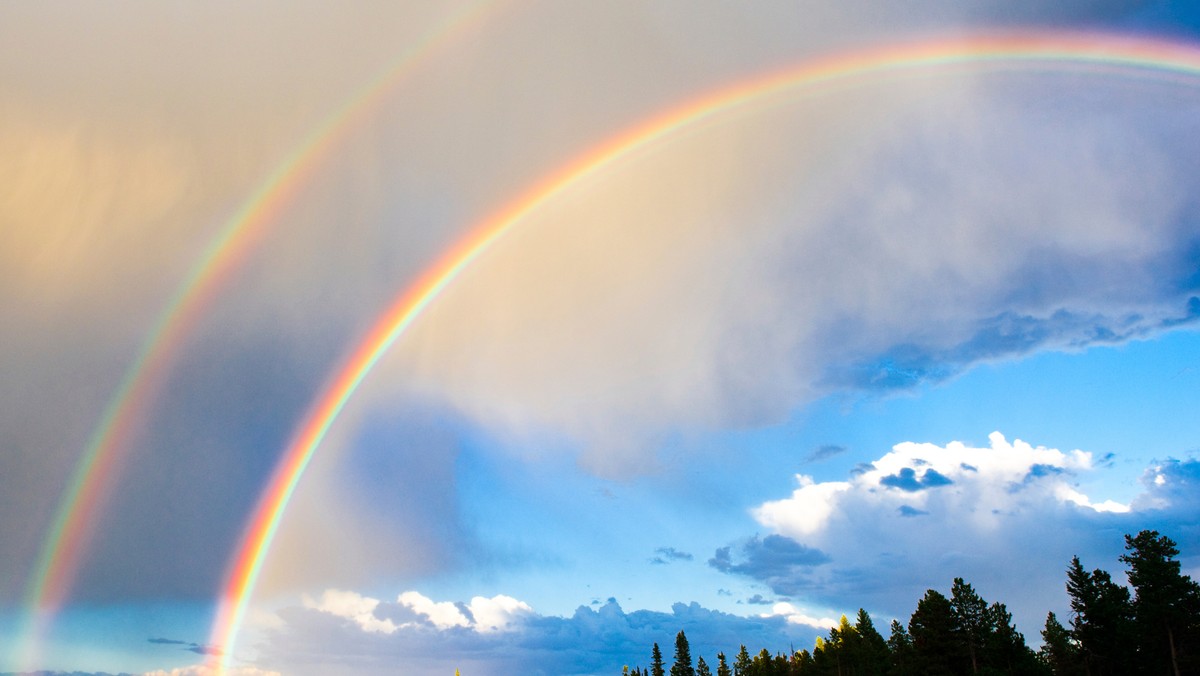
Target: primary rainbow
{"type": "Point", "coordinates": [1104, 53]}
{"type": "Point", "coordinates": [97, 468]}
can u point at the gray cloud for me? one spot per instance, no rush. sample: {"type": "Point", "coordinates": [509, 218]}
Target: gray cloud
{"type": "Point", "coordinates": [958, 223]}
{"type": "Point", "coordinates": [777, 561]}
{"type": "Point", "coordinates": [669, 554]}
{"type": "Point", "coordinates": [825, 452]}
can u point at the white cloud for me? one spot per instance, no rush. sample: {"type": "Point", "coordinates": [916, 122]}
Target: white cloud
{"type": "Point", "coordinates": [978, 485]}
{"type": "Point", "coordinates": [352, 606]}
{"type": "Point", "coordinates": [442, 614]}
{"type": "Point", "coordinates": [499, 613]}
{"type": "Point", "coordinates": [797, 616]}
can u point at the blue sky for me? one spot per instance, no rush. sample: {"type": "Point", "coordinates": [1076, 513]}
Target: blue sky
{"type": "Point", "coordinates": [821, 354]}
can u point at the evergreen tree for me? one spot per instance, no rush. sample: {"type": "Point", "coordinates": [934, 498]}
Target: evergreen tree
{"type": "Point", "coordinates": [741, 663]}
{"type": "Point", "coordinates": [683, 657]}
{"type": "Point", "coordinates": [1004, 648]}
{"type": "Point", "coordinates": [932, 630]}
{"type": "Point", "coordinates": [656, 662]}
{"type": "Point", "coordinates": [900, 651]}
{"type": "Point", "coordinates": [1101, 622]}
{"type": "Point", "coordinates": [842, 646]}
{"type": "Point", "coordinates": [873, 649]}
{"type": "Point", "coordinates": [1166, 604]}
{"type": "Point", "coordinates": [1058, 652]}
{"type": "Point", "coordinates": [722, 666]}
{"type": "Point", "coordinates": [970, 621]}
{"type": "Point", "coordinates": [702, 667]}
{"type": "Point", "coordinates": [802, 664]}
{"type": "Point", "coordinates": [763, 664]}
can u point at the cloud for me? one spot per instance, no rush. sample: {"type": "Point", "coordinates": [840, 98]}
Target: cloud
{"type": "Point", "coordinates": [825, 452]}
{"type": "Point", "coordinates": [198, 648]}
{"type": "Point", "coordinates": [668, 555]}
{"type": "Point", "coordinates": [202, 670]}
{"type": "Point", "coordinates": [775, 560]}
{"type": "Point", "coordinates": [412, 609]}
{"type": "Point", "coordinates": [588, 642]}
{"type": "Point", "coordinates": [906, 480]}
{"type": "Point", "coordinates": [956, 233]}
{"type": "Point", "coordinates": [922, 514]}
{"type": "Point", "coordinates": [796, 616]}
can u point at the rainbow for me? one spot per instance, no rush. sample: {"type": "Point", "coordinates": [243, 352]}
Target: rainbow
{"type": "Point", "coordinates": [106, 448]}
{"type": "Point", "coordinates": [1103, 53]}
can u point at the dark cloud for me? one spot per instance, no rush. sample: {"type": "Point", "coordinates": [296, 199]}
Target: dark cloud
{"type": "Point", "coordinates": [776, 560]}
{"type": "Point", "coordinates": [759, 600]}
{"type": "Point", "coordinates": [906, 480]}
{"type": "Point", "coordinates": [906, 510]}
{"type": "Point", "coordinates": [825, 452]}
{"type": "Point", "coordinates": [590, 641]}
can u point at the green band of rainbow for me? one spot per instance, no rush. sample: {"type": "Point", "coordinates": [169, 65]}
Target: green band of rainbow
{"type": "Point", "coordinates": [1101, 52]}
{"type": "Point", "coordinates": [98, 467]}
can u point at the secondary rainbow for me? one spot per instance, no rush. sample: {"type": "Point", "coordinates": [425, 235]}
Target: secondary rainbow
{"type": "Point", "coordinates": [1103, 53]}
{"type": "Point", "coordinates": [68, 537]}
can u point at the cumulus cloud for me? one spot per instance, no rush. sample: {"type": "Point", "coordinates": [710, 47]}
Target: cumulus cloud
{"type": "Point", "coordinates": [979, 485]}
{"type": "Point", "coordinates": [591, 641]}
{"type": "Point", "coordinates": [413, 609]}
{"type": "Point", "coordinates": [922, 514]}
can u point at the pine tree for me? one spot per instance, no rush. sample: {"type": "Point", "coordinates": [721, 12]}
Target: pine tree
{"type": "Point", "coordinates": [970, 623]}
{"type": "Point", "coordinates": [900, 650]}
{"type": "Point", "coordinates": [702, 667]}
{"type": "Point", "coordinates": [656, 662]}
{"type": "Point", "coordinates": [1166, 603]}
{"type": "Point", "coordinates": [683, 657]}
{"type": "Point", "coordinates": [1101, 622]}
{"type": "Point", "coordinates": [722, 666]}
{"type": "Point", "coordinates": [932, 630]}
{"type": "Point", "coordinates": [1057, 651]}
{"type": "Point", "coordinates": [741, 663]}
{"type": "Point", "coordinates": [873, 649]}
{"type": "Point", "coordinates": [1004, 648]}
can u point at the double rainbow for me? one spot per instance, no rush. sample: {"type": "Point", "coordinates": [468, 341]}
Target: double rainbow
{"type": "Point", "coordinates": [98, 467]}
{"type": "Point", "coordinates": [1089, 53]}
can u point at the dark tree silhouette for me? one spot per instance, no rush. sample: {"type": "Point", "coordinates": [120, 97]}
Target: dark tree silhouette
{"type": "Point", "coordinates": [683, 657]}
{"type": "Point", "coordinates": [1166, 604]}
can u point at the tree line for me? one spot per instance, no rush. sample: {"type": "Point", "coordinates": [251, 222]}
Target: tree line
{"type": "Point", "coordinates": [1152, 630]}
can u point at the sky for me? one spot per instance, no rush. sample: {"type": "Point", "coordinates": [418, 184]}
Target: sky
{"type": "Point", "coordinates": [741, 358]}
